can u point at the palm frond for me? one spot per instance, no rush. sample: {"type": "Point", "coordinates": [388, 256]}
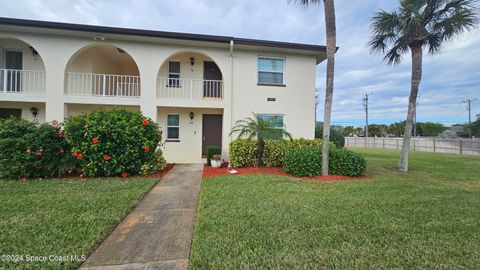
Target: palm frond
{"type": "Point", "coordinates": [305, 2]}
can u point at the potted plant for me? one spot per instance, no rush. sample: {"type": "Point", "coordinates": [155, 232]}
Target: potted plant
{"type": "Point", "coordinates": [216, 161]}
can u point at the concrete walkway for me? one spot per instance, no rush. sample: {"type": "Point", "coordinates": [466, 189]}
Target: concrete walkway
{"type": "Point", "coordinates": [157, 234]}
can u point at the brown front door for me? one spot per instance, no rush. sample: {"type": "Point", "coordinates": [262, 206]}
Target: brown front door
{"type": "Point", "coordinates": [212, 84]}
{"type": "Point", "coordinates": [211, 131]}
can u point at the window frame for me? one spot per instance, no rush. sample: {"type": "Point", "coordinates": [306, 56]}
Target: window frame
{"type": "Point", "coordinates": [169, 126]}
{"type": "Point", "coordinates": [274, 114]}
{"type": "Point", "coordinates": [284, 59]}
{"type": "Point", "coordinates": [177, 80]}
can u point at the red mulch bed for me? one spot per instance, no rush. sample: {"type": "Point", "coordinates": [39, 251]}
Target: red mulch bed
{"type": "Point", "coordinates": [209, 171]}
{"type": "Point", "coordinates": [159, 174]}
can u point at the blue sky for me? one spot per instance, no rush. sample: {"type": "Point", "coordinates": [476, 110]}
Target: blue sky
{"type": "Point", "coordinates": [448, 78]}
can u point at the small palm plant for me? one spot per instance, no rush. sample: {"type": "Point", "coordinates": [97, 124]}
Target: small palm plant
{"type": "Point", "coordinates": [418, 25]}
{"type": "Point", "coordinates": [260, 130]}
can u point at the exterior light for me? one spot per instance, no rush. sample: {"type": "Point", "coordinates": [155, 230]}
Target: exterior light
{"type": "Point", "coordinates": [192, 61]}
{"type": "Point", "coordinates": [191, 115]}
{"type": "Point", "coordinates": [34, 112]}
{"type": "Point", "coordinates": [34, 52]}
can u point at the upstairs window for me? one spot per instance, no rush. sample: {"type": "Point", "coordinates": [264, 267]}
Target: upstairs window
{"type": "Point", "coordinates": [173, 127]}
{"type": "Point", "coordinates": [271, 70]}
{"type": "Point", "coordinates": [174, 74]}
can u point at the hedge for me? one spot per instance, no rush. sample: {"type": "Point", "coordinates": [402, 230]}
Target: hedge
{"type": "Point", "coordinates": [243, 153]}
{"type": "Point", "coordinates": [114, 142]}
{"type": "Point", "coordinates": [346, 162]}
{"type": "Point", "coordinates": [29, 150]}
{"type": "Point", "coordinates": [303, 161]}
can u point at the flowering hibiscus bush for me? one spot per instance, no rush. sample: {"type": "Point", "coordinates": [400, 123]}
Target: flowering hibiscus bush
{"type": "Point", "coordinates": [29, 150]}
{"type": "Point", "coordinates": [113, 142]}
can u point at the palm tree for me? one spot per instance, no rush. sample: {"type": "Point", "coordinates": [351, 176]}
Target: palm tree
{"type": "Point", "coordinates": [259, 129]}
{"type": "Point", "coordinates": [329, 10]}
{"type": "Point", "coordinates": [418, 25]}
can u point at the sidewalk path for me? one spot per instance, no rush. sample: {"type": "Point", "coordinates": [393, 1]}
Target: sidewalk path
{"type": "Point", "coordinates": [157, 234]}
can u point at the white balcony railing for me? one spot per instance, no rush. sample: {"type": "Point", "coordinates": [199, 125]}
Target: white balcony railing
{"type": "Point", "coordinates": [104, 85]}
{"type": "Point", "coordinates": [17, 81]}
{"type": "Point", "coordinates": [190, 89]}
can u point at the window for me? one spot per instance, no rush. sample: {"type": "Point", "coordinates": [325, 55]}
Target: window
{"type": "Point", "coordinates": [277, 122]}
{"type": "Point", "coordinates": [174, 74]}
{"type": "Point", "coordinates": [7, 113]}
{"type": "Point", "coordinates": [173, 127]}
{"type": "Point", "coordinates": [271, 70]}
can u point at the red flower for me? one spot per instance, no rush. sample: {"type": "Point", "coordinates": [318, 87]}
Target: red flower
{"type": "Point", "coordinates": [39, 153]}
{"type": "Point", "coordinates": [106, 157]}
{"type": "Point", "coordinates": [146, 148]}
{"type": "Point", "coordinates": [95, 140]}
{"type": "Point", "coordinates": [23, 180]}
{"type": "Point", "coordinates": [55, 122]}
{"type": "Point", "coordinates": [124, 174]}
{"type": "Point", "coordinates": [145, 122]}
{"type": "Point", "coordinates": [75, 153]}
{"type": "Point", "coordinates": [61, 133]}
{"type": "Point", "coordinates": [79, 156]}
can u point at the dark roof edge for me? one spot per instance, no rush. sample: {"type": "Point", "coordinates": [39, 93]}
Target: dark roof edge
{"type": "Point", "coordinates": [159, 34]}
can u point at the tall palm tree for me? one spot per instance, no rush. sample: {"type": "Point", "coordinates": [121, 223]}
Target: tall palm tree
{"type": "Point", "coordinates": [415, 26]}
{"type": "Point", "coordinates": [260, 130]}
{"type": "Point", "coordinates": [329, 10]}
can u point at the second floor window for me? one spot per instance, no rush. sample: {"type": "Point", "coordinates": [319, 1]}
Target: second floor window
{"type": "Point", "coordinates": [271, 70]}
{"type": "Point", "coordinates": [174, 74]}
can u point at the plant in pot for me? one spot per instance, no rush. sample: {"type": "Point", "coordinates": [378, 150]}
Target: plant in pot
{"type": "Point", "coordinates": [216, 161]}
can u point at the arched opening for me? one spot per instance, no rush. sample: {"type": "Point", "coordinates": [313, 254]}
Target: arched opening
{"type": "Point", "coordinates": [22, 70]}
{"type": "Point", "coordinates": [190, 75]}
{"type": "Point", "coordinates": [102, 70]}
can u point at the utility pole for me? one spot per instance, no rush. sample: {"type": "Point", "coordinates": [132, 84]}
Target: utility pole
{"type": "Point", "coordinates": [469, 109]}
{"type": "Point", "coordinates": [365, 105]}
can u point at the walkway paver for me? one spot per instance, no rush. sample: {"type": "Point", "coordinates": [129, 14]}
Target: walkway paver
{"type": "Point", "coordinates": [157, 234]}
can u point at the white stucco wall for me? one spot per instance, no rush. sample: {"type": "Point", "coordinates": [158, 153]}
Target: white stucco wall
{"type": "Point", "coordinates": [25, 107]}
{"type": "Point", "coordinates": [242, 95]}
{"type": "Point", "coordinates": [189, 148]}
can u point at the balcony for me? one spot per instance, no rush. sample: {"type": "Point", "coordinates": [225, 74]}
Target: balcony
{"type": "Point", "coordinates": [19, 82]}
{"type": "Point", "coordinates": [189, 89]}
{"type": "Point", "coordinates": [102, 85]}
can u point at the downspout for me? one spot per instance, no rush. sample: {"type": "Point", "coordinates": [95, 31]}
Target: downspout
{"type": "Point", "coordinates": [231, 82]}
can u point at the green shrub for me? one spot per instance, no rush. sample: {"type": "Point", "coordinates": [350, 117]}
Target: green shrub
{"type": "Point", "coordinates": [213, 150]}
{"type": "Point", "coordinates": [303, 161]}
{"type": "Point", "coordinates": [243, 153]}
{"type": "Point", "coordinates": [157, 165]}
{"type": "Point", "coordinates": [29, 150]}
{"type": "Point", "coordinates": [115, 142]}
{"type": "Point", "coordinates": [346, 162]}
{"type": "Point", "coordinates": [335, 136]}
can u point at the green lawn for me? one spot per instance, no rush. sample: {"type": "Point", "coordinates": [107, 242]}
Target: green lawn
{"type": "Point", "coordinates": [62, 217]}
{"type": "Point", "coordinates": [426, 219]}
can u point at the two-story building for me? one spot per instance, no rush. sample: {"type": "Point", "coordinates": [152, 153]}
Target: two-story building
{"type": "Point", "coordinates": [194, 86]}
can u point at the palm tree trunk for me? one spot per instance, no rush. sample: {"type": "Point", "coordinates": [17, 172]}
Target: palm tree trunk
{"type": "Point", "coordinates": [260, 147]}
{"type": "Point", "coordinates": [329, 10]}
{"type": "Point", "coordinates": [412, 102]}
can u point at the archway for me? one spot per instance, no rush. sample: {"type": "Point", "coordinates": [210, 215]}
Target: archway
{"type": "Point", "coordinates": [22, 70]}
{"type": "Point", "coordinates": [190, 75]}
{"type": "Point", "coordinates": [102, 70]}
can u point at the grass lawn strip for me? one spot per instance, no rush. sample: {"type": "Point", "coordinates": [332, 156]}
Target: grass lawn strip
{"type": "Point", "coordinates": [427, 218]}
{"type": "Point", "coordinates": [63, 217]}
